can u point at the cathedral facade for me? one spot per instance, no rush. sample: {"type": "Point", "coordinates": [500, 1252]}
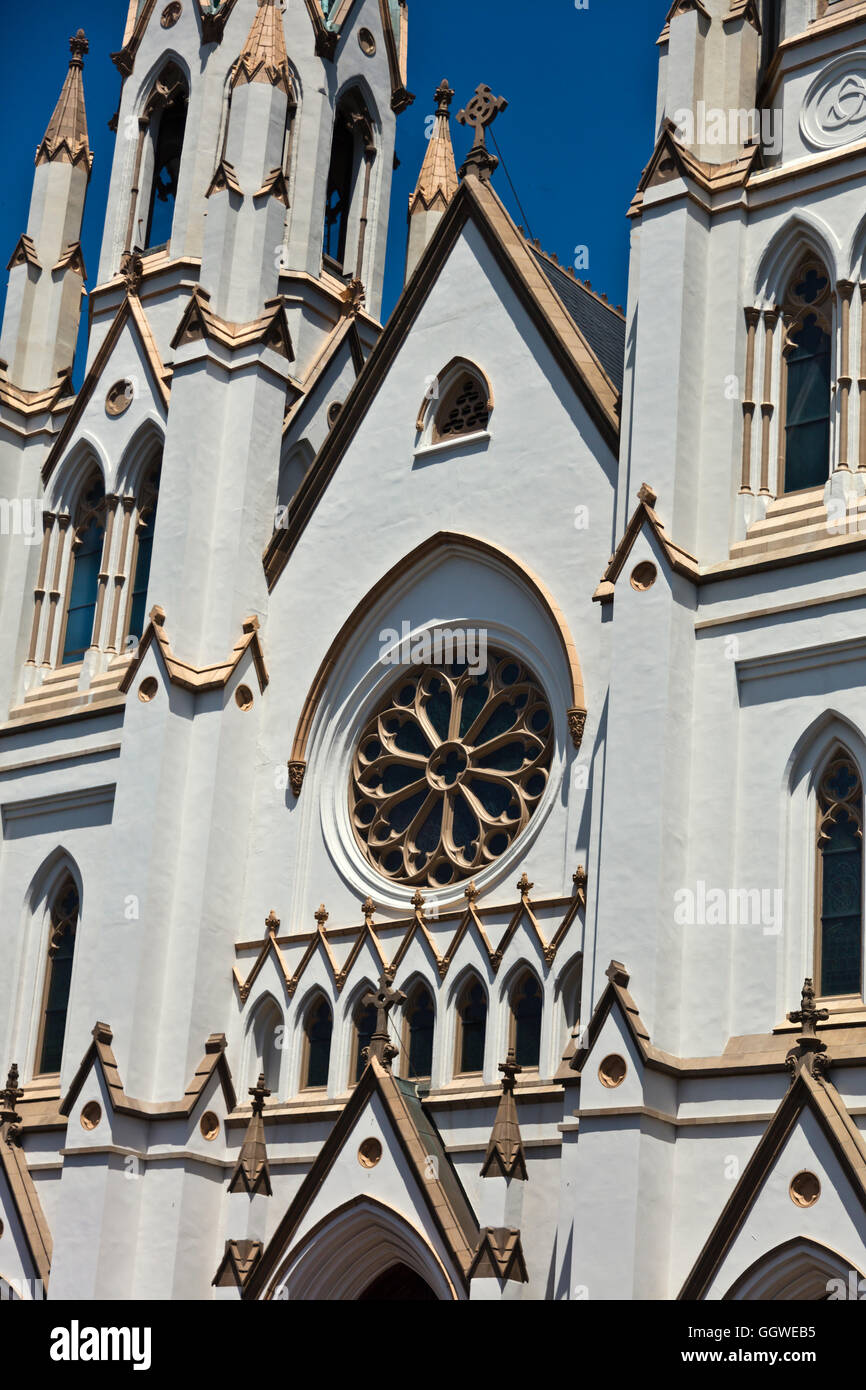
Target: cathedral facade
{"type": "Point", "coordinates": [432, 753]}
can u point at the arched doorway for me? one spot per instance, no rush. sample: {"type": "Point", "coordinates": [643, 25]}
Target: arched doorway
{"type": "Point", "coordinates": [799, 1271]}
{"type": "Point", "coordinates": [399, 1284]}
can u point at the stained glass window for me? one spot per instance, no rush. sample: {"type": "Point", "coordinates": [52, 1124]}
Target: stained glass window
{"type": "Point", "coordinates": [64, 922]}
{"type": "Point", "coordinates": [319, 1026]}
{"type": "Point", "coordinates": [86, 564]}
{"type": "Point", "coordinates": [472, 1026]}
{"type": "Point", "coordinates": [419, 1033]}
{"type": "Point", "coordinates": [365, 1027]}
{"type": "Point", "coordinates": [807, 359]}
{"type": "Point", "coordinates": [840, 845]}
{"type": "Point", "coordinates": [526, 1020]}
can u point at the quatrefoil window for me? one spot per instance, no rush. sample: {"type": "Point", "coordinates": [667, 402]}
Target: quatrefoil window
{"type": "Point", "coordinates": [449, 770]}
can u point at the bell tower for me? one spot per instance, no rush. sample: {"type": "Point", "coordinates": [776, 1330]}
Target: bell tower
{"type": "Point", "coordinates": [289, 199]}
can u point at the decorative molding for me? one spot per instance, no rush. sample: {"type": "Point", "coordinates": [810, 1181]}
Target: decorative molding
{"type": "Point", "coordinates": [198, 678]}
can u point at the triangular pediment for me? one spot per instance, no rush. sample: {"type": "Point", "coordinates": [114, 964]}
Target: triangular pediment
{"type": "Point", "coordinates": [384, 1150]}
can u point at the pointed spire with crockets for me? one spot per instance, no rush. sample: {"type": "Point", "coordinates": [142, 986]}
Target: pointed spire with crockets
{"type": "Point", "coordinates": [66, 136]}
{"type": "Point", "coordinates": [505, 1157]}
{"type": "Point", "coordinates": [437, 181]}
{"type": "Point", "coordinates": [252, 1174]}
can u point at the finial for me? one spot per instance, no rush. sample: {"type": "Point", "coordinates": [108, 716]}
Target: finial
{"type": "Point", "coordinates": [810, 1053]}
{"type": "Point", "coordinates": [321, 916]}
{"type": "Point", "coordinates": [443, 97]}
{"type": "Point", "coordinates": [418, 902]}
{"type": "Point", "coordinates": [480, 112]}
{"type": "Point", "coordinates": [510, 1069]}
{"type": "Point", "coordinates": [9, 1096]}
{"type": "Point", "coordinates": [368, 907]}
{"type": "Point", "coordinates": [578, 878]}
{"type": "Point", "coordinates": [259, 1093]}
{"type": "Point", "coordinates": [383, 1002]}
{"type": "Point", "coordinates": [272, 922]}
{"type": "Point", "coordinates": [470, 893]}
{"type": "Point", "coordinates": [79, 47]}
{"type": "Point", "coordinates": [524, 885]}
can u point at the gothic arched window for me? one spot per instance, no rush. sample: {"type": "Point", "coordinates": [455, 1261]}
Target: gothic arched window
{"type": "Point", "coordinates": [418, 1033]}
{"type": "Point", "coordinates": [463, 409]}
{"type": "Point", "coordinates": [167, 110]}
{"type": "Point", "coordinates": [145, 531]}
{"type": "Point", "coordinates": [64, 910]}
{"type": "Point", "coordinates": [268, 1028]}
{"type": "Point", "coordinates": [318, 1029]}
{"type": "Point", "coordinates": [87, 547]}
{"type": "Point", "coordinates": [471, 1026]}
{"type": "Point", "coordinates": [839, 948]}
{"type": "Point", "coordinates": [352, 148]}
{"type": "Point", "coordinates": [526, 1020]}
{"type": "Point", "coordinates": [364, 1021]}
{"type": "Point", "coordinates": [806, 372]}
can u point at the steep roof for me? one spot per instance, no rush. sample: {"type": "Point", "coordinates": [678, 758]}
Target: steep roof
{"type": "Point", "coordinates": [602, 325]}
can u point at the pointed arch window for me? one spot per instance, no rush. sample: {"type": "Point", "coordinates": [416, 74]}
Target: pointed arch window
{"type": "Point", "coordinates": [526, 1006]}
{"type": "Point", "coordinates": [87, 547]}
{"type": "Point", "coordinates": [64, 912]}
{"type": "Point", "coordinates": [418, 1031]}
{"type": "Point", "coordinates": [463, 409]}
{"type": "Point", "coordinates": [364, 1020]}
{"type": "Point", "coordinates": [807, 369]}
{"type": "Point", "coordinates": [145, 532]}
{"type": "Point", "coordinates": [471, 1027]}
{"type": "Point", "coordinates": [318, 1031]}
{"type": "Point", "coordinates": [167, 111]}
{"type": "Point", "coordinates": [267, 1044]}
{"type": "Point", "coordinates": [353, 148]}
{"type": "Point", "coordinates": [839, 947]}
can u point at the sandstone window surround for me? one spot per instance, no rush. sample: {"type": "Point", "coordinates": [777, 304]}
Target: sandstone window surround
{"type": "Point", "coordinates": [112, 586]}
{"type": "Point", "coordinates": [781, 391]}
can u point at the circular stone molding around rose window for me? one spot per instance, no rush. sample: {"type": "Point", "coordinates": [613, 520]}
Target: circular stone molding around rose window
{"type": "Point", "coordinates": [643, 576]}
{"type": "Point", "coordinates": [805, 1189]}
{"type": "Point", "coordinates": [612, 1071]}
{"type": "Point", "coordinates": [91, 1115]}
{"type": "Point", "coordinates": [369, 1153]}
{"type": "Point", "coordinates": [119, 397]}
{"type": "Point", "coordinates": [450, 769]}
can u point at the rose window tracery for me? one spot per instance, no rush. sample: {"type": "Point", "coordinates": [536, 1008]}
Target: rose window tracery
{"type": "Point", "coordinates": [449, 770]}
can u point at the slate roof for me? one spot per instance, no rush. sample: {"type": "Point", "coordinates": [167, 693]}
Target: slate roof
{"type": "Point", "coordinates": [601, 324]}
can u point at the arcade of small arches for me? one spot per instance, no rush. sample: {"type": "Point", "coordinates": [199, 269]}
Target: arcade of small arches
{"type": "Point", "coordinates": [319, 1067]}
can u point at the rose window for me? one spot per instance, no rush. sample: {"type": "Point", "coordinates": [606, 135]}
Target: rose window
{"type": "Point", "coordinates": [449, 770]}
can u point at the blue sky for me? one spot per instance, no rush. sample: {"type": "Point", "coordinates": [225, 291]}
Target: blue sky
{"type": "Point", "coordinates": [578, 130]}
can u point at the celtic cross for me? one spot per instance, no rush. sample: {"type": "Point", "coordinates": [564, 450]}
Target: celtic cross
{"type": "Point", "coordinates": [383, 1001]}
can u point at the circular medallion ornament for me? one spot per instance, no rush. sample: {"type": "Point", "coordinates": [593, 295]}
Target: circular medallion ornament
{"type": "Point", "coordinates": [171, 14]}
{"type": "Point", "coordinates": [612, 1071]}
{"type": "Point", "coordinates": [244, 698]}
{"type": "Point", "coordinates": [834, 112]}
{"type": "Point", "coordinates": [805, 1189]}
{"type": "Point", "coordinates": [91, 1115]}
{"type": "Point", "coordinates": [209, 1126]}
{"type": "Point", "coordinates": [369, 1153]}
{"type": "Point", "coordinates": [148, 689]}
{"type": "Point", "coordinates": [119, 397]}
{"type": "Point", "coordinates": [450, 768]}
{"type": "Point", "coordinates": [643, 576]}
{"type": "Point", "coordinates": [367, 42]}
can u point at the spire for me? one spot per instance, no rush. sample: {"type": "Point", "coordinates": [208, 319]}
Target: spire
{"type": "Point", "coordinates": [437, 181]}
{"type": "Point", "coordinates": [66, 136]}
{"type": "Point", "coordinates": [263, 57]}
{"type": "Point", "coordinates": [252, 1173]}
{"type": "Point", "coordinates": [505, 1157]}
